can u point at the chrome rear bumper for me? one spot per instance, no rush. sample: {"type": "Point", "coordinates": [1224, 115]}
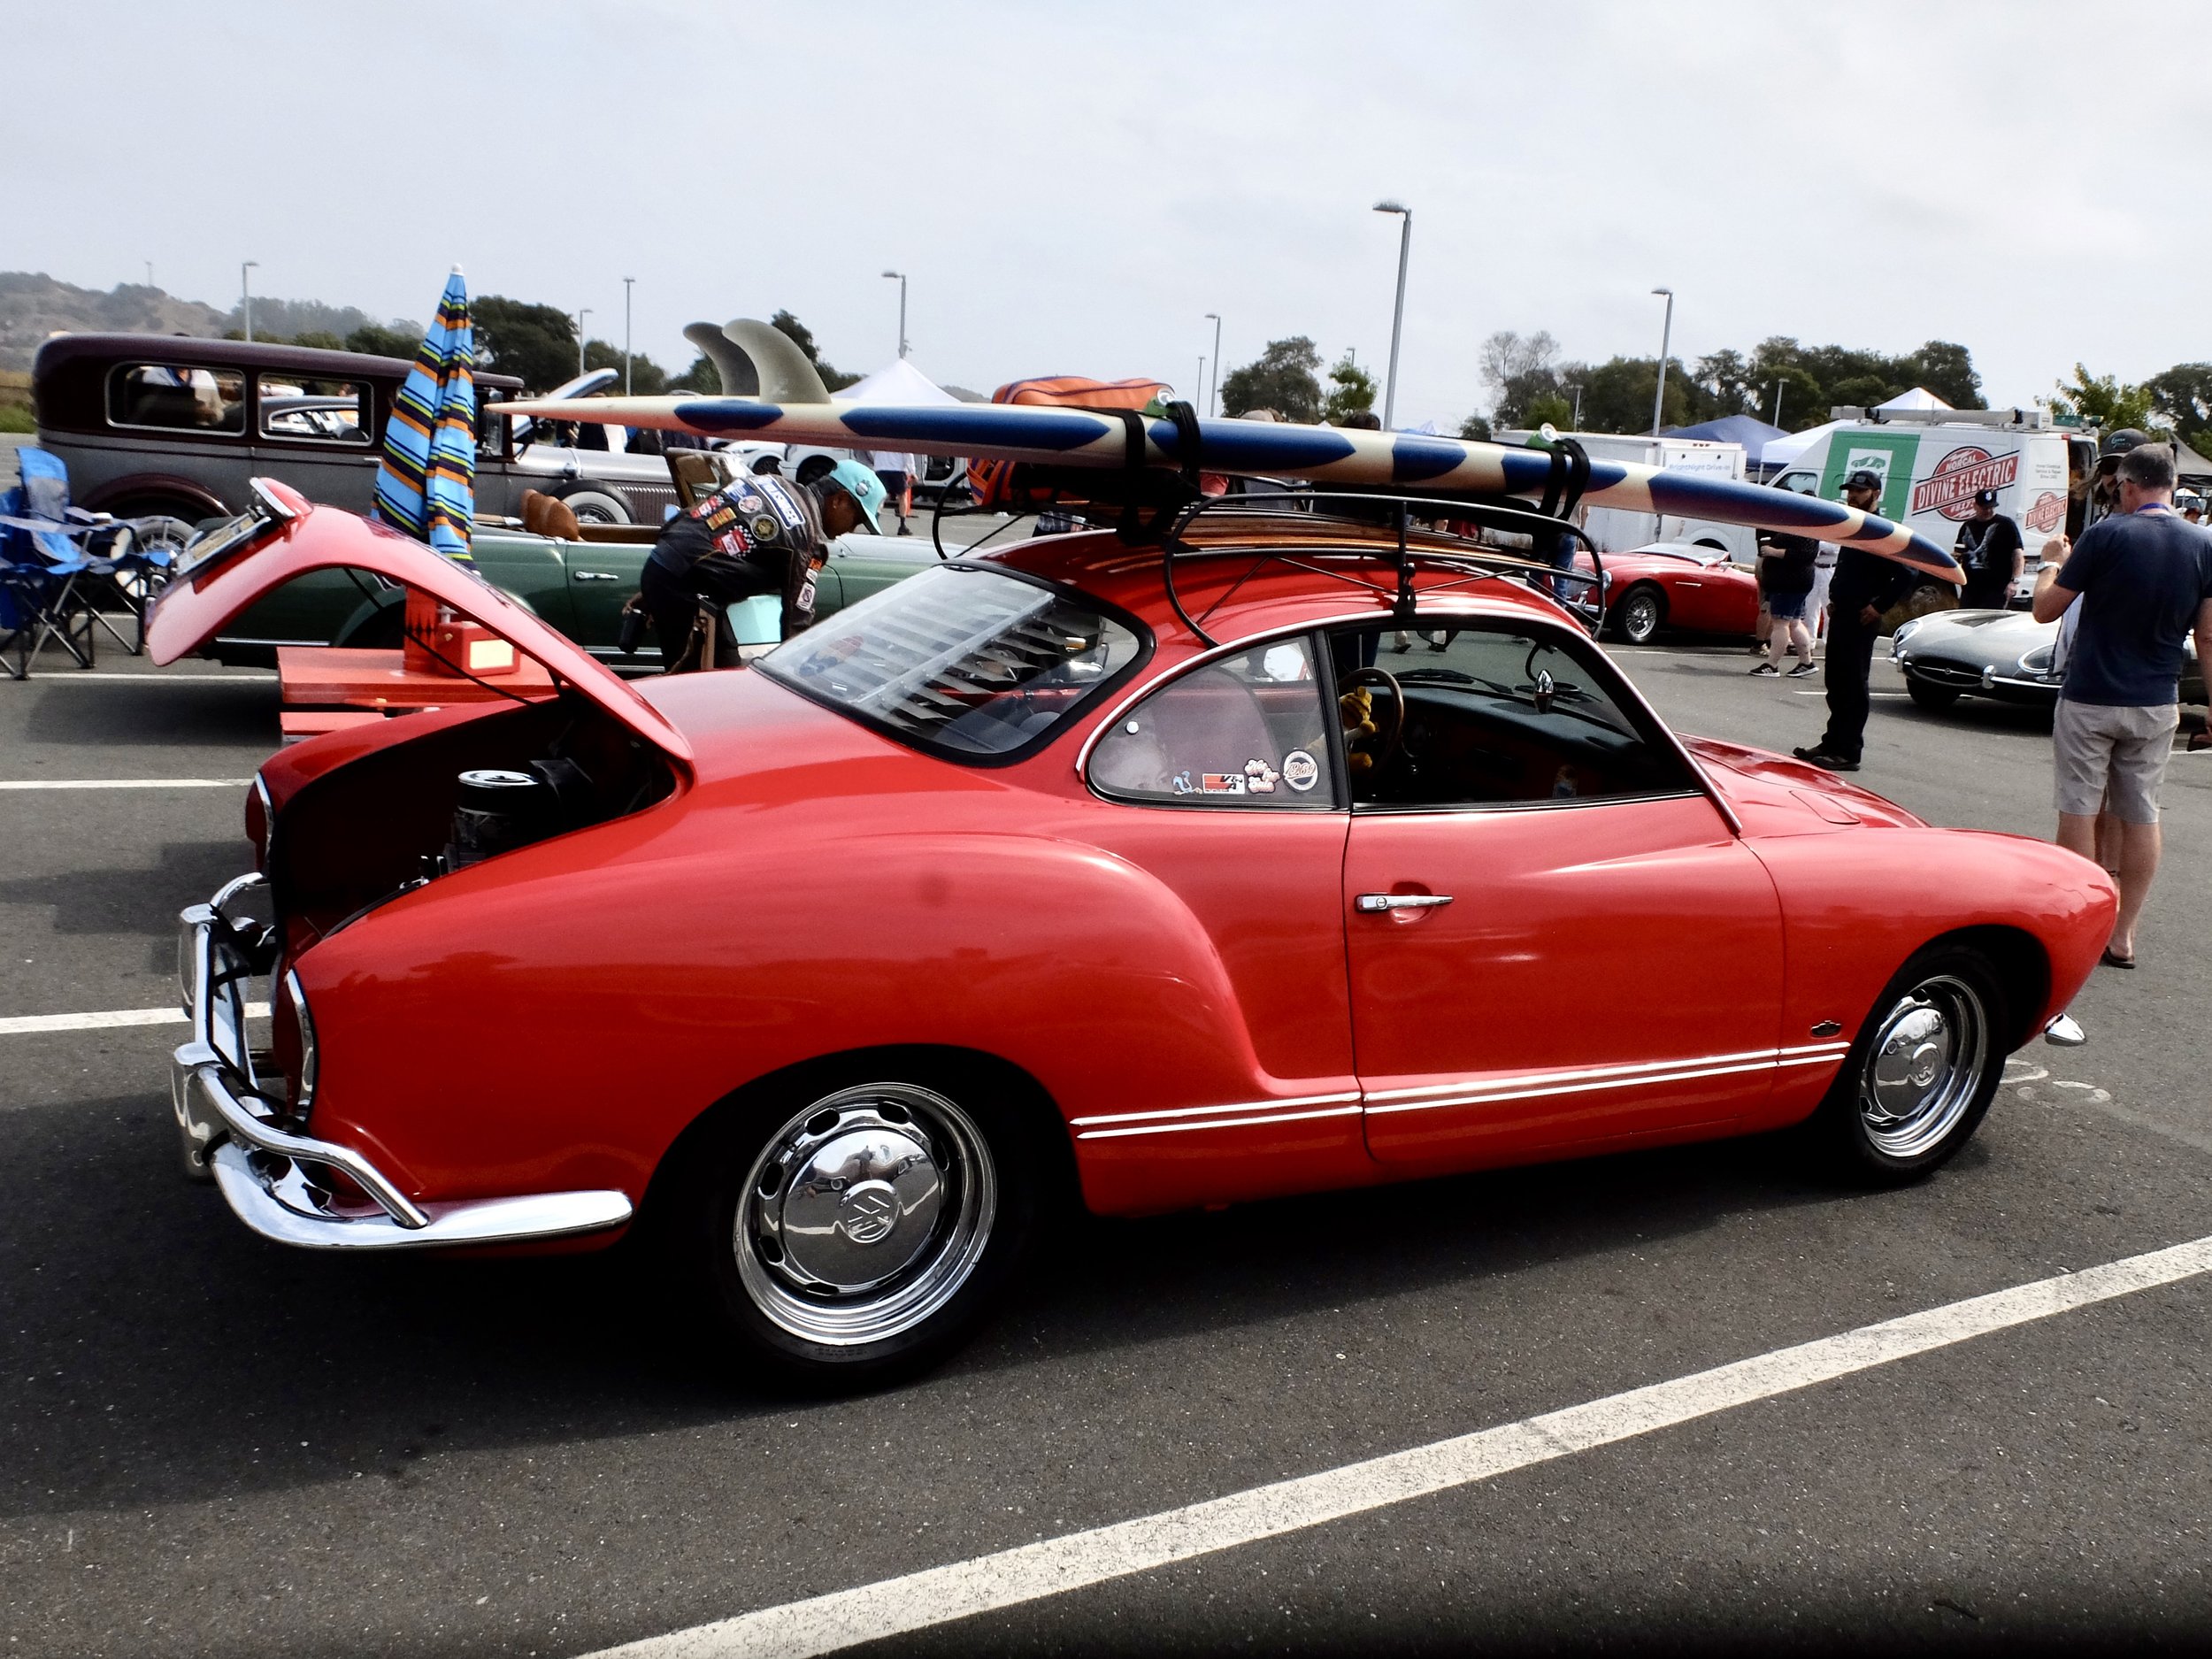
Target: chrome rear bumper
{"type": "Point", "coordinates": [229, 1128]}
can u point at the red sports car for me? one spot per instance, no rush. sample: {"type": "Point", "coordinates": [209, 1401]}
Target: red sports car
{"type": "Point", "coordinates": [1036, 880]}
{"type": "Point", "coordinates": [1677, 585]}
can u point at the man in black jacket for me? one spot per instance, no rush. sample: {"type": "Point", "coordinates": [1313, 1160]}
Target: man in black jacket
{"type": "Point", "coordinates": [1865, 585]}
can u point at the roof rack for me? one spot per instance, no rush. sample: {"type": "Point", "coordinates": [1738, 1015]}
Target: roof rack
{"type": "Point", "coordinates": [1476, 563]}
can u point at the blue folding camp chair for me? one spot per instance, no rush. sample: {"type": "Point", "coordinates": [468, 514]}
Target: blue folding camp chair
{"type": "Point", "coordinates": [66, 569]}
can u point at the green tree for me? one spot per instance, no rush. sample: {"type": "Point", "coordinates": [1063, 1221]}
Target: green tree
{"type": "Point", "coordinates": [1518, 369]}
{"type": "Point", "coordinates": [1475, 428]}
{"type": "Point", "coordinates": [1728, 383]}
{"type": "Point", "coordinates": [1616, 395]}
{"type": "Point", "coordinates": [647, 379]}
{"type": "Point", "coordinates": [535, 343]}
{"type": "Point", "coordinates": [319, 338]}
{"type": "Point", "coordinates": [700, 377]}
{"type": "Point", "coordinates": [1351, 391]}
{"type": "Point", "coordinates": [380, 341]}
{"type": "Point", "coordinates": [1281, 379]}
{"type": "Point", "coordinates": [2106, 402]}
{"type": "Point", "coordinates": [2181, 398]}
{"type": "Point", "coordinates": [1553, 407]}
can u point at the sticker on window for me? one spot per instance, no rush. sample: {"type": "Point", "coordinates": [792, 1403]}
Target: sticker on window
{"type": "Point", "coordinates": [1300, 771]}
{"type": "Point", "coordinates": [1221, 783]}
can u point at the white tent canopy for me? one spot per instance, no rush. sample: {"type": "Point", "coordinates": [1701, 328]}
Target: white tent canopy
{"type": "Point", "coordinates": [1782, 451]}
{"type": "Point", "coordinates": [899, 382]}
{"type": "Point", "coordinates": [1919, 398]}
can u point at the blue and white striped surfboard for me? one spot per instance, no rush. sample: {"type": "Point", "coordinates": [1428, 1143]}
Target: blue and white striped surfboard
{"type": "Point", "coordinates": [1410, 463]}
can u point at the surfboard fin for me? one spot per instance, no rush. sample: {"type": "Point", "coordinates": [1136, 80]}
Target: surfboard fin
{"type": "Point", "coordinates": [739, 377]}
{"type": "Point", "coordinates": [786, 376]}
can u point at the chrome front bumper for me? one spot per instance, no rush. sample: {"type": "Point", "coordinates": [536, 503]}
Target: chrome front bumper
{"type": "Point", "coordinates": [230, 1131]}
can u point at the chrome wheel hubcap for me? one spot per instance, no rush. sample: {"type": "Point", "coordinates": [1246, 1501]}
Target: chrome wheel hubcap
{"type": "Point", "coordinates": [1930, 1052]}
{"type": "Point", "coordinates": [864, 1214]}
{"type": "Point", "coordinates": [1642, 620]}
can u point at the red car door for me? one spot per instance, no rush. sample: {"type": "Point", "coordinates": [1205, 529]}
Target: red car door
{"type": "Point", "coordinates": [1554, 937]}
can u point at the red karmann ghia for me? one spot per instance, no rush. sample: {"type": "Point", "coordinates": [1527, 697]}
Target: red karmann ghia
{"type": "Point", "coordinates": [1005, 886]}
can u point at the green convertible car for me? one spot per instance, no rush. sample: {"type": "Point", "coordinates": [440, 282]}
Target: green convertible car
{"type": "Point", "coordinates": [579, 587]}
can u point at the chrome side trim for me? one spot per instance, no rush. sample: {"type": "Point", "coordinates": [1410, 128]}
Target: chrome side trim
{"type": "Point", "coordinates": [1218, 1123]}
{"type": "Point", "coordinates": [1527, 1086]}
{"type": "Point", "coordinates": [282, 1207]}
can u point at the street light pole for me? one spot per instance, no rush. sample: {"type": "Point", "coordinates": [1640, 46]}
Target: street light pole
{"type": "Point", "coordinates": [245, 295]}
{"type": "Point", "coordinates": [900, 275]}
{"type": "Point", "coordinates": [1201, 371]}
{"type": "Point", "coordinates": [582, 313]}
{"type": "Point", "coordinates": [626, 359]}
{"type": "Point", "coordinates": [1213, 399]}
{"type": "Point", "coordinates": [1666, 344]}
{"type": "Point", "coordinates": [1398, 316]}
{"type": "Point", "coordinates": [1777, 403]}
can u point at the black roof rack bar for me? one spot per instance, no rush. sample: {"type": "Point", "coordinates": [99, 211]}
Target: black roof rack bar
{"type": "Point", "coordinates": [1540, 575]}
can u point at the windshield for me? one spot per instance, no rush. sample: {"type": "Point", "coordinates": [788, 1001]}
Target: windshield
{"type": "Point", "coordinates": [966, 662]}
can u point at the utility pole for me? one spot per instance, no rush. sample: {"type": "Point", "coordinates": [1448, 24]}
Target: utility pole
{"type": "Point", "coordinates": [1666, 344]}
{"type": "Point", "coordinates": [1201, 375]}
{"type": "Point", "coordinates": [625, 335]}
{"type": "Point", "coordinates": [245, 295]}
{"type": "Point", "coordinates": [1777, 403]}
{"type": "Point", "coordinates": [900, 275]}
{"type": "Point", "coordinates": [580, 315]}
{"type": "Point", "coordinates": [1398, 316]}
{"type": "Point", "coordinates": [1213, 399]}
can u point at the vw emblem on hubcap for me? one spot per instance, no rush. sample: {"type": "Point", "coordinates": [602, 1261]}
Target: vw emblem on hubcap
{"type": "Point", "coordinates": [869, 1212]}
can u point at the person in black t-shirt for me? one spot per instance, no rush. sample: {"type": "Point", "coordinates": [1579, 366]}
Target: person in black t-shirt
{"type": "Point", "coordinates": [1785, 570]}
{"type": "Point", "coordinates": [1989, 551]}
{"type": "Point", "coordinates": [1865, 585]}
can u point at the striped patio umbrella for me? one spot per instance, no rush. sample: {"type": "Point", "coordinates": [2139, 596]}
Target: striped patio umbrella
{"type": "Point", "coordinates": [426, 485]}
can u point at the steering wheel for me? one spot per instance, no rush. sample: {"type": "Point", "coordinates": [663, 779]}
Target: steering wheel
{"type": "Point", "coordinates": [1384, 743]}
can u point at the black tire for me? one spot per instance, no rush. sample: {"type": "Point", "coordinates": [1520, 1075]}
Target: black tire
{"type": "Point", "coordinates": [594, 502]}
{"type": "Point", "coordinates": [1934, 698]}
{"type": "Point", "coordinates": [778, 1315]}
{"type": "Point", "coordinates": [1921, 1075]}
{"type": "Point", "coordinates": [1639, 613]}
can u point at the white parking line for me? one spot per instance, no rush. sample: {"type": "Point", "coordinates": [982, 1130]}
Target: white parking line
{"type": "Point", "coordinates": [126, 783]}
{"type": "Point", "coordinates": [896, 1607]}
{"type": "Point", "coordinates": [23, 1025]}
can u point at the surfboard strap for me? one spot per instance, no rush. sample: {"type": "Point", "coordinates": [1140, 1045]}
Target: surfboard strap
{"type": "Point", "coordinates": [1135, 473]}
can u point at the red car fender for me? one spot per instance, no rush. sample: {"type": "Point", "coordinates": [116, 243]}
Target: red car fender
{"type": "Point", "coordinates": [1857, 903]}
{"type": "Point", "coordinates": [637, 973]}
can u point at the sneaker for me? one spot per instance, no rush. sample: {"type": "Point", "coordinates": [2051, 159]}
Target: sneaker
{"type": "Point", "coordinates": [1759, 650]}
{"type": "Point", "coordinates": [1766, 670]}
{"type": "Point", "coordinates": [1819, 756]}
{"type": "Point", "coordinates": [1804, 668]}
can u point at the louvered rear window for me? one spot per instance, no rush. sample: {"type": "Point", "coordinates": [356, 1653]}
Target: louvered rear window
{"type": "Point", "coordinates": [975, 664]}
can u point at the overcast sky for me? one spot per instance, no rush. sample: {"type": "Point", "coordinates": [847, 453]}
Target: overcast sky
{"type": "Point", "coordinates": [1071, 186]}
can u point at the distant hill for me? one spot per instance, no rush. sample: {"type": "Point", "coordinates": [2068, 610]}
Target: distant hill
{"type": "Point", "coordinates": [33, 305]}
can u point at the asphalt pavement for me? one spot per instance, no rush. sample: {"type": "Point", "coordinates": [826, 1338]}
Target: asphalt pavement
{"type": "Point", "coordinates": [211, 1445]}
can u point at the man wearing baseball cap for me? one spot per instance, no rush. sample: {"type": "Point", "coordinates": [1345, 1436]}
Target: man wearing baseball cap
{"type": "Point", "coordinates": [1990, 551]}
{"type": "Point", "coordinates": [1865, 585]}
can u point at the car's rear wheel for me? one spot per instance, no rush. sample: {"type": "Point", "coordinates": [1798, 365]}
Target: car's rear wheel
{"type": "Point", "coordinates": [593, 503]}
{"type": "Point", "coordinates": [1641, 614]}
{"type": "Point", "coordinates": [1926, 1064]}
{"type": "Point", "coordinates": [847, 1236]}
{"type": "Point", "coordinates": [1931, 697]}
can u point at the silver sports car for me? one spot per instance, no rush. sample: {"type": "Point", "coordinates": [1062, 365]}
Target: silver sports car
{"type": "Point", "coordinates": [1947, 655]}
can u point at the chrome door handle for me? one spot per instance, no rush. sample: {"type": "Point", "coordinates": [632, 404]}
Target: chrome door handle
{"type": "Point", "coordinates": [1381, 903]}
{"type": "Point", "coordinates": [594, 576]}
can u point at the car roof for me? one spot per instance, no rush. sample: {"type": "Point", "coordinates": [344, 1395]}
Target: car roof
{"type": "Point", "coordinates": [1243, 574]}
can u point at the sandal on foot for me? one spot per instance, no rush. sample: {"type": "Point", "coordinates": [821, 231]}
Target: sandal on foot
{"type": "Point", "coordinates": [2114, 959]}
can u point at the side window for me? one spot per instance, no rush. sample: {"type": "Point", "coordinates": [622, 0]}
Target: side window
{"type": "Point", "coordinates": [1801, 483]}
{"type": "Point", "coordinates": [1493, 716]}
{"type": "Point", "coordinates": [1247, 730]}
{"type": "Point", "coordinates": [180, 399]}
{"type": "Point", "coordinates": [315, 412]}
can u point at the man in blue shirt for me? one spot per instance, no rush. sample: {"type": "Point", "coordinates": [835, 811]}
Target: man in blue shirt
{"type": "Point", "coordinates": [2144, 578]}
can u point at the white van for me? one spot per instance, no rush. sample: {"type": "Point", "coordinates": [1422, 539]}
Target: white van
{"type": "Point", "coordinates": [1932, 463]}
{"type": "Point", "coordinates": [1620, 529]}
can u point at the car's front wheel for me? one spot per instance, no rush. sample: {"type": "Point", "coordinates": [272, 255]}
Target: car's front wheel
{"type": "Point", "coordinates": [1931, 697]}
{"type": "Point", "coordinates": [1641, 614]}
{"type": "Point", "coordinates": [847, 1237]}
{"type": "Point", "coordinates": [1927, 1062]}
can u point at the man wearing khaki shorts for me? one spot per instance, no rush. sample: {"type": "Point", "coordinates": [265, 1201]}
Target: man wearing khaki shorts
{"type": "Point", "coordinates": [2143, 576]}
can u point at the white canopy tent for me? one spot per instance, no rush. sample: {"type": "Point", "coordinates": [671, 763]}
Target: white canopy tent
{"type": "Point", "coordinates": [1780, 452]}
{"type": "Point", "coordinates": [1919, 398]}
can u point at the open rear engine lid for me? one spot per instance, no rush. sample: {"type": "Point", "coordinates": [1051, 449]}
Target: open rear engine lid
{"type": "Point", "coordinates": [284, 536]}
